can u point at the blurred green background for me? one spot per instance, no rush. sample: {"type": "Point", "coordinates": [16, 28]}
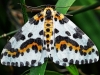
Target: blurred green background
{"type": "Point", "coordinates": [89, 21]}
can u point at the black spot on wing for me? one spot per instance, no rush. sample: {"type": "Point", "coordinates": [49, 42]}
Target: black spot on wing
{"type": "Point", "coordinates": [22, 37]}
{"type": "Point", "coordinates": [42, 19]}
{"type": "Point", "coordinates": [57, 62]}
{"type": "Point", "coordinates": [93, 50]}
{"type": "Point", "coordinates": [86, 61]}
{"type": "Point", "coordinates": [33, 62]}
{"type": "Point", "coordinates": [48, 49]}
{"type": "Point", "coordinates": [13, 56]}
{"type": "Point", "coordinates": [52, 48]}
{"type": "Point", "coordinates": [90, 43]}
{"type": "Point", "coordinates": [8, 63]}
{"type": "Point", "coordinates": [90, 61]}
{"type": "Point", "coordinates": [27, 63]}
{"type": "Point", "coordinates": [16, 63]}
{"type": "Point", "coordinates": [28, 50]}
{"type": "Point", "coordinates": [39, 14]}
{"type": "Point", "coordinates": [33, 21]}
{"type": "Point", "coordinates": [71, 61]}
{"type": "Point", "coordinates": [44, 42]}
{"type": "Point", "coordinates": [76, 51]}
{"type": "Point", "coordinates": [77, 62]}
{"type": "Point", "coordinates": [34, 47]}
{"type": "Point", "coordinates": [97, 53]}
{"type": "Point", "coordinates": [5, 53]}
{"type": "Point", "coordinates": [56, 30]}
{"type": "Point", "coordinates": [18, 33]}
{"type": "Point", "coordinates": [21, 64]}
{"type": "Point", "coordinates": [61, 21]}
{"type": "Point", "coordinates": [51, 58]}
{"type": "Point", "coordinates": [62, 47]}
{"type": "Point", "coordinates": [41, 32]}
{"type": "Point", "coordinates": [1, 56]}
{"type": "Point", "coordinates": [70, 48]}
{"type": "Point", "coordinates": [17, 54]}
{"type": "Point", "coordinates": [65, 59]}
{"type": "Point", "coordinates": [84, 53]}
{"type": "Point", "coordinates": [68, 33]}
{"type": "Point", "coordinates": [64, 20]}
{"type": "Point", "coordinates": [30, 34]}
{"type": "Point", "coordinates": [89, 53]}
{"type": "Point", "coordinates": [55, 19]}
{"type": "Point", "coordinates": [81, 52]}
{"type": "Point", "coordinates": [77, 35]}
{"type": "Point", "coordinates": [64, 64]}
{"type": "Point", "coordinates": [9, 55]}
{"type": "Point", "coordinates": [12, 63]}
{"type": "Point", "coordinates": [22, 53]}
{"type": "Point", "coordinates": [82, 62]}
{"type": "Point", "coordinates": [95, 60]}
{"type": "Point", "coordinates": [19, 36]}
{"type": "Point", "coordinates": [39, 63]}
{"type": "Point", "coordinates": [44, 48]}
{"type": "Point", "coordinates": [3, 63]}
{"type": "Point", "coordinates": [8, 46]}
{"type": "Point", "coordinates": [78, 30]}
{"type": "Point", "coordinates": [57, 14]}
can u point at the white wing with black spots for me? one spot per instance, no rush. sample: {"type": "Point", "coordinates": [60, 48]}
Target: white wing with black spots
{"type": "Point", "coordinates": [25, 47]}
{"type": "Point", "coordinates": [73, 46]}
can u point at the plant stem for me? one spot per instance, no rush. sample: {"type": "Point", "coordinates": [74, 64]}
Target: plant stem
{"type": "Point", "coordinates": [25, 16]}
{"type": "Point", "coordinates": [4, 35]}
{"type": "Point", "coordinates": [85, 8]}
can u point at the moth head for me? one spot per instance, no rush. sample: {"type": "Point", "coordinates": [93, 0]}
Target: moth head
{"type": "Point", "coordinates": [48, 11]}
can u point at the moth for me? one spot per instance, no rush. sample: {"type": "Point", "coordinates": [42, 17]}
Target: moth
{"type": "Point", "coordinates": [49, 34]}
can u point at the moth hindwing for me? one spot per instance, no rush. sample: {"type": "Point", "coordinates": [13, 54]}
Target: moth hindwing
{"type": "Point", "coordinates": [49, 34]}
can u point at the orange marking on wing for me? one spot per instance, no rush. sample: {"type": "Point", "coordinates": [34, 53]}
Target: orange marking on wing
{"type": "Point", "coordinates": [87, 51]}
{"type": "Point", "coordinates": [37, 18]}
{"type": "Point", "coordinates": [73, 47]}
{"type": "Point", "coordinates": [25, 49]}
{"type": "Point", "coordinates": [60, 17]}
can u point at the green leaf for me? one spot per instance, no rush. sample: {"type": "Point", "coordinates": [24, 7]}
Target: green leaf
{"type": "Point", "coordinates": [52, 73]}
{"type": "Point", "coordinates": [73, 69]}
{"type": "Point", "coordinates": [25, 16]}
{"type": "Point", "coordinates": [38, 70]}
{"type": "Point", "coordinates": [62, 6]}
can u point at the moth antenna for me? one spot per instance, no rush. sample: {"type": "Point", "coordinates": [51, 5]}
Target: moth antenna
{"type": "Point", "coordinates": [32, 9]}
{"type": "Point", "coordinates": [39, 8]}
{"type": "Point", "coordinates": [63, 7]}
{"type": "Point", "coordinates": [68, 15]}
